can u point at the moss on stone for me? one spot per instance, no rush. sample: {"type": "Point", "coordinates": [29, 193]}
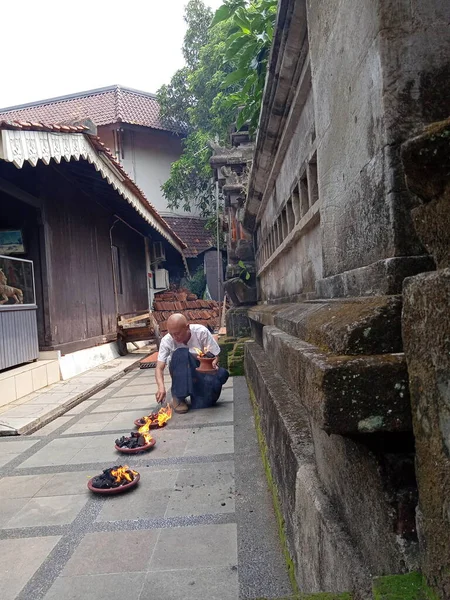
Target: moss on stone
{"type": "Point", "coordinates": [226, 345]}
{"type": "Point", "coordinates": [317, 596]}
{"type": "Point", "coordinates": [274, 491]}
{"type": "Point", "coordinates": [235, 358]}
{"type": "Point", "coordinates": [410, 586]}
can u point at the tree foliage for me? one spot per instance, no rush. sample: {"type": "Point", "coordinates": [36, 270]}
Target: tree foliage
{"type": "Point", "coordinates": [222, 82]}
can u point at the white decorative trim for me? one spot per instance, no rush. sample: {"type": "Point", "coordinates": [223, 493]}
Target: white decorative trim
{"type": "Point", "coordinates": [18, 146]}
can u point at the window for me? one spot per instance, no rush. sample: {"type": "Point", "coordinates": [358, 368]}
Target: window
{"type": "Point", "coordinates": [290, 215]}
{"type": "Point", "coordinates": [313, 187]}
{"type": "Point", "coordinates": [296, 203]}
{"type": "Point", "coordinates": [117, 269]}
{"type": "Point", "coordinates": [304, 195]}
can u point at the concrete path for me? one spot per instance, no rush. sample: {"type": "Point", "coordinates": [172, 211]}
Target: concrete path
{"type": "Point", "coordinates": [39, 408]}
{"type": "Point", "coordinates": [200, 525]}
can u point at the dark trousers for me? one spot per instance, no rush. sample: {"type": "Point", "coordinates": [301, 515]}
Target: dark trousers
{"type": "Point", "coordinates": [204, 389]}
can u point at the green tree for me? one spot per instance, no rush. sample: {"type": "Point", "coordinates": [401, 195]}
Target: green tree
{"type": "Point", "coordinates": [226, 58]}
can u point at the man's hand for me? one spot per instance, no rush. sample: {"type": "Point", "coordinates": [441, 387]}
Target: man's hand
{"type": "Point", "coordinates": [215, 363]}
{"type": "Point", "coordinates": [161, 395]}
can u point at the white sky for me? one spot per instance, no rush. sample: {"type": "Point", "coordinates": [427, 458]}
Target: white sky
{"type": "Point", "coordinates": [57, 47]}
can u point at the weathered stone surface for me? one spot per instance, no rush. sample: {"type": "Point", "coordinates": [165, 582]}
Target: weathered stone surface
{"type": "Point", "coordinates": [382, 278]}
{"type": "Point", "coordinates": [379, 515]}
{"type": "Point", "coordinates": [426, 335]}
{"type": "Point", "coordinates": [343, 394]}
{"type": "Point", "coordinates": [352, 327]}
{"type": "Point", "coordinates": [244, 250]}
{"type": "Point", "coordinates": [239, 292]}
{"type": "Point", "coordinates": [238, 325]}
{"type": "Point", "coordinates": [325, 557]}
{"type": "Point", "coordinates": [426, 160]}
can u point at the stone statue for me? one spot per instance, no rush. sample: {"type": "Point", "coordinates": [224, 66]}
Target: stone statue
{"type": "Point", "coordinates": [7, 291]}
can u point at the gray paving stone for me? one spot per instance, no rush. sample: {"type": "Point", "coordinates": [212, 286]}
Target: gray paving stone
{"type": "Point", "coordinates": [210, 441]}
{"type": "Point", "coordinates": [107, 456]}
{"type": "Point", "coordinates": [112, 552]}
{"type": "Point", "coordinates": [50, 457]}
{"type": "Point", "coordinates": [76, 410]}
{"type": "Point", "coordinates": [148, 501]}
{"type": "Point", "coordinates": [9, 507]}
{"type": "Point", "coordinates": [133, 390]}
{"type": "Point", "coordinates": [65, 484]}
{"type": "Point", "coordinates": [19, 559]}
{"type": "Point", "coordinates": [85, 428]}
{"type": "Point", "coordinates": [194, 584]}
{"type": "Point", "coordinates": [221, 412]}
{"type": "Point", "coordinates": [116, 586]}
{"type": "Point", "coordinates": [6, 458]}
{"type": "Point", "coordinates": [11, 446]}
{"type": "Point", "coordinates": [24, 486]}
{"type": "Point", "coordinates": [110, 407]}
{"type": "Point", "coordinates": [55, 510]}
{"type": "Point", "coordinates": [195, 547]}
{"type": "Point", "coordinates": [52, 426]}
{"type": "Point", "coordinates": [203, 489]}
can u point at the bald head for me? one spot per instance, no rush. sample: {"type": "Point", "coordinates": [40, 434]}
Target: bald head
{"type": "Point", "coordinates": [178, 327]}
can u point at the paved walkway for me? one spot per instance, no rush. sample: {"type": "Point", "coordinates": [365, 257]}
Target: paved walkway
{"type": "Point", "coordinates": [39, 408]}
{"type": "Point", "coordinates": [199, 525]}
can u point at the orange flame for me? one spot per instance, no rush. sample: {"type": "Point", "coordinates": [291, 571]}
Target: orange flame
{"type": "Point", "coordinates": [144, 431]}
{"type": "Point", "coordinates": [202, 352]}
{"type": "Point", "coordinates": [123, 473]}
{"type": "Point", "coordinates": [164, 414]}
{"type": "Point", "coordinates": [161, 417]}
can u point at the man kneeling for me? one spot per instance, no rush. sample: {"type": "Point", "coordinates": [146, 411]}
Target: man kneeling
{"type": "Point", "coordinates": [177, 350]}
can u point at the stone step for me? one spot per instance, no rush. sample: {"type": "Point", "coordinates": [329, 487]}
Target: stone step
{"type": "Point", "coordinates": [343, 394]}
{"type": "Point", "coordinates": [347, 326]}
{"type": "Point", "coordinates": [324, 555]}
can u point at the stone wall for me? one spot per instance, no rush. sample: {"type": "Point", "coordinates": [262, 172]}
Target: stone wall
{"type": "Point", "coordinates": [369, 96]}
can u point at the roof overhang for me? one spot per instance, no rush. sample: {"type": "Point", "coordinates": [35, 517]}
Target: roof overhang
{"type": "Point", "coordinates": [286, 89]}
{"type": "Point", "coordinates": [18, 146]}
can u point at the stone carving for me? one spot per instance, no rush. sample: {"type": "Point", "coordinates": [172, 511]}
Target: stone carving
{"type": "Point", "coordinates": [232, 169]}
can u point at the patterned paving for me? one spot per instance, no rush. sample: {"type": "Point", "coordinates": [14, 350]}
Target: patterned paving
{"type": "Point", "coordinates": [200, 523]}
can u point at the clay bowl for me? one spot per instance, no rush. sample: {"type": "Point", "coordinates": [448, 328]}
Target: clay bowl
{"type": "Point", "coordinates": [136, 450]}
{"type": "Point", "coordinates": [116, 490]}
{"type": "Point", "coordinates": [138, 424]}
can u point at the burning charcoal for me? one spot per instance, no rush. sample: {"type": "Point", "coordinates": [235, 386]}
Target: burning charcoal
{"type": "Point", "coordinates": [114, 477]}
{"type": "Point", "coordinates": [209, 355]}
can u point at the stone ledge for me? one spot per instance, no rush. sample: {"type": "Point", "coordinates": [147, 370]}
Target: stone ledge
{"type": "Point", "coordinates": [333, 563]}
{"type": "Point", "coordinates": [343, 394]}
{"type": "Point", "coordinates": [343, 326]}
{"type": "Point", "coordinates": [382, 278]}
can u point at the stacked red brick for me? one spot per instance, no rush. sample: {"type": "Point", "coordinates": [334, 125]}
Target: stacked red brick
{"type": "Point", "coordinates": [203, 312]}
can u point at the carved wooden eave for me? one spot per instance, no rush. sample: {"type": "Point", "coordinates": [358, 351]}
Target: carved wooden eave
{"type": "Point", "coordinates": [287, 85]}
{"type": "Point", "coordinates": [18, 146]}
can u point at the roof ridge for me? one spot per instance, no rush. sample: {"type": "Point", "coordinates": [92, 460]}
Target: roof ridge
{"type": "Point", "coordinates": [74, 95]}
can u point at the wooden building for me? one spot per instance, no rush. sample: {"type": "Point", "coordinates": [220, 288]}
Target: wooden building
{"type": "Point", "coordinates": [89, 232]}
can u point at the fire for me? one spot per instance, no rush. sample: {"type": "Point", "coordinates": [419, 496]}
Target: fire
{"type": "Point", "coordinates": [164, 414]}
{"type": "Point", "coordinates": [202, 352]}
{"type": "Point", "coordinates": [123, 473]}
{"type": "Point", "coordinates": [144, 431]}
{"type": "Point", "coordinates": [161, 417]}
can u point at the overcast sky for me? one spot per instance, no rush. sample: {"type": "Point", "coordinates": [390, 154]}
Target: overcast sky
{"type": "Point", "coordinates": [53, 47]}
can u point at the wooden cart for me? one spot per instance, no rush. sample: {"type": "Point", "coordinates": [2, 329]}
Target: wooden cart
{"type": "Point", "coordinates": [139, 326]}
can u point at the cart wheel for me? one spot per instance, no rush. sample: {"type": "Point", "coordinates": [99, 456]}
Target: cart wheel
{"type": "Point", "coordinates": [122, 346]}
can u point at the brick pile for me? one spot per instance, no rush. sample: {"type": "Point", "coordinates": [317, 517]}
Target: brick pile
{"type": "Point", "coordinates": [202, 312]}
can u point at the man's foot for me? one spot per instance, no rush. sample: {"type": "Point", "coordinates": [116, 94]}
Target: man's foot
{"type": "Point", "coordinates": [179, 406]}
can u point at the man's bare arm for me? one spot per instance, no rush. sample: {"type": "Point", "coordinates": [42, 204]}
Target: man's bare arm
{"type": "Point", "coordinates": [159, 376]}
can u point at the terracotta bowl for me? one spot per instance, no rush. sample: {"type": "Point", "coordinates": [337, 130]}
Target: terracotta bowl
{"type": "Point", "coordinates": [136, 450]}
{"type": "Point", "coordinates": [116, 490]}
